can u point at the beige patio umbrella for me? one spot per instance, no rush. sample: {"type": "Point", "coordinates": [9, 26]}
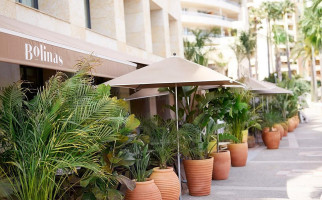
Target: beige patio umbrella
{"type": "Point", "coordinates": [154, 92]}
{"type": "Point", "coordinates": [172, 72]}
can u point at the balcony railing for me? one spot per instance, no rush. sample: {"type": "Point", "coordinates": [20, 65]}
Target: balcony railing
{"type": "Point", "coordinates": [231, 2]}
{"type": "Point", "coordinates": [208, 15]}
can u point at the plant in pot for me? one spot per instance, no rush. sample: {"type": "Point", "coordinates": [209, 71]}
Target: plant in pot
{"type": "Point", "coordinates": [271, 136]}
{"type": "Point", "coordinates": [197, 162]}
{"type": "Point", "coordinates": [237, 119]}
{"type": "Point", "coordinates": [145, 188]}
{"type": "Point", "coordinates": [162, 141]}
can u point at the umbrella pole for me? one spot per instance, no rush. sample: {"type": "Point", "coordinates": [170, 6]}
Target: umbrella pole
{"type": "Point", "coordinates": [178, 142]}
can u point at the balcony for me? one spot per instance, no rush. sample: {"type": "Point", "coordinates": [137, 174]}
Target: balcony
{"type": "Point", "coordinates": [227, 5]}
{"type": "Point", "coordinates": [202, 19]}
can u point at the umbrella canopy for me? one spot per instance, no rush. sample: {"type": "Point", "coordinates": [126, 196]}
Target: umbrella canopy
{"type": "Point", "coordinates": [154, 92]}
{"type": "Point", "coordinates": [145, 93]}
{"type": "Point", "coordinates": [255, 85]}
{"type": "Point", "coordinates": [274, 90]}
{"type": "Point", "coordinates": [171, 72]}
{"type": "Point", "coordinates": [263, 87]}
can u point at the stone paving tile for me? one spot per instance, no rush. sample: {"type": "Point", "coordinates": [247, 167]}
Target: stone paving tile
{"type": "Point", "coordinates": [292, 172]}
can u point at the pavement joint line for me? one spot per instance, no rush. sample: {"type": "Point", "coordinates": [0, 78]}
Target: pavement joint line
{"type": "Point", "coordinates": [265, 188]}
{"type": "Point", "coordinates": [292, 142]}
{"type": "Point", "coordinates": [287, 162]}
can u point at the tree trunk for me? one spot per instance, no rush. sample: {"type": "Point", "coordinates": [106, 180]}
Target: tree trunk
{"type": "Point", "coordinates": [287, 48]}
{"type": "Point", "coordinates": [314, 83]}
{"type": "Point", "coordinates": [278, 63]}
{"type": "Point", "coordinates": [268, 47]}
{"type": "Point", "coordinates": [250, 67]}
{"type": "Point", "coordinates": [256, 59]}
{"type": "Point", "coordinates": [238, 70]}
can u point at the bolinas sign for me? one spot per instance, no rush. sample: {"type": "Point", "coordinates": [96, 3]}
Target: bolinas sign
{"type": "Point", "coordinates": [34, 52]}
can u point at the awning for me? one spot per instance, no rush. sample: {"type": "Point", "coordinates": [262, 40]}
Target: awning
{"type": "Point", "coordinates": [26, 44]}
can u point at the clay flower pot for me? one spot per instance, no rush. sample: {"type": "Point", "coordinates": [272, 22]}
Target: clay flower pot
{"type": "Point", "coordinates": [265, 129]}
{"type": "Point", "coordinates": [272, 139]}
{"type": "Point", "coordinates": [238, 154]}
{"type": "Point", "coordinates": [144, 190]}
{"type": "Point", "coordinates": [285, 127]}
{"type": "Point", "coordinates": [199, 174]}
{"type": "Point", "coordinates": [168, 183]}
{"type": "Point", "coordinates": [280, 129]}
{"type": "Point", "coordinates": [291, 125]}
{"type": "Point", "coordinates": [222, 164]}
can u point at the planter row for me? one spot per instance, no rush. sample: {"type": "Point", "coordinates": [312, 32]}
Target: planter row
{"type": "Point", "coordinates": [272, 138]}
{"type": "Point", "coordinates": [164, 183]}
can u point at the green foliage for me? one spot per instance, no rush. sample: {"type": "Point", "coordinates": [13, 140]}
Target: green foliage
{"type": "Point", "coordinates": [63, 130]}
{"type": "Point", "coordinates": [227, 137]}
{"type": "Point", "coordinates": [162, 139]}
{"type": "Point", "coordinates": [142, 158]}
{"type": "Point", "coordinates": [271, 118]}
{"type": "Point", "coordinates": [192, 145]}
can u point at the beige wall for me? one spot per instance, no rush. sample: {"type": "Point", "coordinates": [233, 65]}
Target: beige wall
{"type": "Point", "coordinates": [122, 25]}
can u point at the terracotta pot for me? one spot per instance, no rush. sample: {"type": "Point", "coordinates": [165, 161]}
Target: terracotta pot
{"type": "Point", "coordinates": [285, 127]}
{"type": "Point", "coordinates": [168, 183]}
{"type": "Point", "coordinates": [238, 154]}
{"type": "Point", "coordinates": [291, 125]}
{"type": "Point", "coordinates": [144, 190]}
{"type": "Point", "coordinates": [222, 164]}
{"type": "Point", "coordinates": [280, 129]}
{"type": "Point", "coordinates": [265, 129]}
{"type": "Point", "coordinates": [245, 136]}
{"type": "Point", "coordinates": [272, 139]}
{"type": "Point", "coordinates": [199, 174]}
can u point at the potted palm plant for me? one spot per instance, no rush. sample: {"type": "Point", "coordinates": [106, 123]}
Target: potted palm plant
{"type": "Point", "coordinates": [236, 118]}
{"type": "Point", "coordinates": [162, 140]}
{"type": "Point", "coordinates": [145, 188]}
{"type": "Point", "coordinates": [270, 135]}
{"type": "Point", "coordinates": [197, 162]}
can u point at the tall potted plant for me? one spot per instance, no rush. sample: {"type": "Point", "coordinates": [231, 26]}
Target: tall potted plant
{"type": "Point", "coordinates": [237, 117]}
{"type": "Point", "coordinates": [162, 140]}
{"type": "Point", "coordinates": [270, 135]}
{"type": "Point", "coordinates": [145, 188]}
{"type": "Point", "coordinates": [197, 162]}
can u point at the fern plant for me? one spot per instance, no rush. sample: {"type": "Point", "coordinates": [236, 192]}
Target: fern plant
{"type": "Point", "coordinates": [61, 130]}
{"type": "Point", "coordinates": [162, 139]}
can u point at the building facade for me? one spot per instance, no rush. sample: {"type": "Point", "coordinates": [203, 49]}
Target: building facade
{"type": "Point", "coordinates": [39, 37]}
{"type": "Point", "coordinates": [226, 17]}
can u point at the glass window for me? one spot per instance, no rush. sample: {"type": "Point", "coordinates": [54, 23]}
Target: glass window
{"type": "Point", "coordinates": [31, 3]}
{"type": "Point", "coordinates": [87, 14]}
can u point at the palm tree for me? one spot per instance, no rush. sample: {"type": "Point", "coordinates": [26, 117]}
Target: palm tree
{"type": "Point", "coordinates": [287, 7]}
{"type": "Point", "coordinates": [239, 54]}
{"type": "Point", "coordinates": [196, 50]}
{"type": "Point", "coordinates": [271, 11]}
{"type": "Point", "coordinates": [279, 38]}
{"type": "Point", "coordinates": [248, 42]}
{"type": "Point", "coordinates": [312, 30]}
{"type": "Point", "coordinates": [255, 20]}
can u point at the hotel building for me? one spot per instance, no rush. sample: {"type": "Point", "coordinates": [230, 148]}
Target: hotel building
{"type": "Point", "coordinates": [40, 37]}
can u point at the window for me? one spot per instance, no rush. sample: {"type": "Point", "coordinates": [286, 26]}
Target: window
{"type": "Point", "coordinates": [87, 14]}
{"type": "Point", "coordinates": [33, 79]}
{"type": "Point", "coordinates": [31, 3]}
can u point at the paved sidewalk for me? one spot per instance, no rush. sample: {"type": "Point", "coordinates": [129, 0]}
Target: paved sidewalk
{"type": "Point", "coordinates": [294, 171]}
